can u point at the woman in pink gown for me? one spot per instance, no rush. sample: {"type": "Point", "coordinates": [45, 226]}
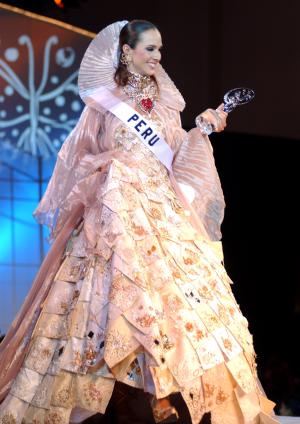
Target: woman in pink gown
{"type": "Point", "coordinates": [133, 289]}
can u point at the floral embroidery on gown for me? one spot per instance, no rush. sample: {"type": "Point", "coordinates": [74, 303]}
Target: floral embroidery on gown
{"type": "Point", "coordinates": [140, 295]}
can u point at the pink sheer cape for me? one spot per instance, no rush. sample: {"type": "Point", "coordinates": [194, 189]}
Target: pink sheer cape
{"type": "Point", "coordinates": [80, 170]}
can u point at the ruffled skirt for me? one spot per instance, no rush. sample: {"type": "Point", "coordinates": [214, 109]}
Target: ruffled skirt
{"type": "Point", "coordinates": [140, 298]}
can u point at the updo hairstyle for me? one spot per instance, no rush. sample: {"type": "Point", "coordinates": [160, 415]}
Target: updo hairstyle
{"type": "Point", "coordinates": [130, 34]}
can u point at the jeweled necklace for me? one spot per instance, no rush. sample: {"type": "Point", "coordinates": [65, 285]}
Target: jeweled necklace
{"type": "Point", "coordinates": [143, 90]}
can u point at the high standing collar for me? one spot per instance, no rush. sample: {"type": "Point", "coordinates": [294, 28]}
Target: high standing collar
{"type": "Point", "coordinates": [100, 62]}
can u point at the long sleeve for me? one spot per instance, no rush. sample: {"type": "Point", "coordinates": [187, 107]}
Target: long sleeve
{"type": "Point", "coordinates": [194, 166]}
{"type": "Point", "coordinates": [76, 162]}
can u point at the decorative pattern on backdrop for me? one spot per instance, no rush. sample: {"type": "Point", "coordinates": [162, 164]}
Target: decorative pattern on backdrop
{"type": "Point", "coordinates": [39, 106]}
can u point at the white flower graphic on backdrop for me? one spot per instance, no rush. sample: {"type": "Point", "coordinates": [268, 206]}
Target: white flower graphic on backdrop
{"type": "Point", "coordinates": [46, 111]}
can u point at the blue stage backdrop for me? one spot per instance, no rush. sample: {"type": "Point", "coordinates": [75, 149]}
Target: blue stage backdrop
{"type": "Point", "coordinates": [39, 106]}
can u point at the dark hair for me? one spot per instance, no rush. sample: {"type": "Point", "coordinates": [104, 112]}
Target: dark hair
{"type": "Point", "coordinates": [130, 34]}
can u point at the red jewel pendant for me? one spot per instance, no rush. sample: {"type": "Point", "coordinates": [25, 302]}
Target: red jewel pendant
{"type": "Point", "coordinates": [146, 105]}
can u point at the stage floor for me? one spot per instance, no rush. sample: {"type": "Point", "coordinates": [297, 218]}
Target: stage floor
{"type": "Point", "coordinates": [289, 420]}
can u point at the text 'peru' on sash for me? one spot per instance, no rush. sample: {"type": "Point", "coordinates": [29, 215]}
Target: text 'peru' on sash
{"type": "Point", "coordinates": [145, 132]}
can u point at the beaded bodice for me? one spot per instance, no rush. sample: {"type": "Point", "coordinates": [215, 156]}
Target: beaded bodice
{"type": "Point", "coordinates": [143, 90]}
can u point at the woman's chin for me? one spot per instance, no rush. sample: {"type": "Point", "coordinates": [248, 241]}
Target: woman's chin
{"type": "Point", "coordinates": [146, 70]}
{"type": "Point", "coordinates": [150, 72]}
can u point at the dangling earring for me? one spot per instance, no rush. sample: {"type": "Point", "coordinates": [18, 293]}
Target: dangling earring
{"type": "Point", "coordinates": [125, 59]}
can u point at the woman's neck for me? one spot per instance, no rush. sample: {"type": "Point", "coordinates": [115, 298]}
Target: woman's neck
{"type": "Point", "coordinates": [139, 81]}
{"type": "Point", "coordinates": [143, 90]}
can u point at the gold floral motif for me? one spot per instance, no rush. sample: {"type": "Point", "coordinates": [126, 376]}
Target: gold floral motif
{"type": "Point", "coordinates": [146, 320]}
{"type": "Point", "coordinates": [78, 270]}
{"type": "Point", "coordinates": [75, 295]}
{"type": "Point", "coordinates": [221, 397]}
{"type": "Point", "coordinates": [166, 343]}
{"type": "Point", "coordinates": [213, 319]}
{"type": "Point", "coordinates": [188, 261]}
{"type": "Point", "coordinates": [163, 232]}
{"type": "Point", "coordinates": [189, 326]}
{"type": "Point", "coordinates": [222, 314]}
{"type": "Point", "coordinates": [153, 184]}
{"type": "Point", "coordinates": [209, 389]}
{"type": "Point", "coordinates": [245, 380]}
{"type": "Point", "coordinates": [207, 271]}
{"type": "Point", "coordinates": [205, 292]}
{"type": "Point", "coordinates": [210, 320]}
{"type": "Point", "coordinates": [227, 344]}
{"type": "Point", "coordinates": [130, 195]}
{"type": "Point", "coordinates": [193, 272]}
{"type": "Point", "coordinates": [221, 310]}
{"type": "Point", "coordinates": [137, 185]}
{"type": "Point", "coordinates": [140, 280]}
{"type": "Point", "coordinates": [151, 250]}
{"type": "Point", "coordinates": [213, 284]}
{"type": "Point", "coordinates": [174, 303]}
{"type": "Point", "coordinates": [199, 334]}
{"type": "Point", "coordinates": [62, 396]}
{"type": "Point", "coordinates": [8, 418]}
{"type": "Point", "coordinates": [45, 353]}
{"type": "Point", "coordinates": [117, 345]}
{"type": "Point", "coordinates": [192, 255]}
{"type": "Point", "coordinates": [215, 288]}
{"type": "Point", "coordinates": [40, 353]}
{"type": "Point", "coordinates": [156, 213]}
{"type": "Point", "coordinates": [193, 399]}
{"type": "Point", "coordinates": [90, 354]}
{"type": "Point", "coordinates": [64, 306]}
{"type": "Point", "coordinates": [123, 292]}
{"type": "Point", "coordinates": [231, 310]}
{"type": "Point", "coordinates": [78, 359]}
{"type": "Point", "coordinates": [54, 417]}
{"type": "Point", "coordinates": [138, 230]}
{"type": "Point", "coordinates": [91, 393]}
{"type": "Point", "coordinates": [73, 269]}
{"type": "Point", "coordinates": [176, 274]}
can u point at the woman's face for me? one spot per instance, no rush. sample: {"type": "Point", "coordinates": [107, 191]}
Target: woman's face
{"type": "Point", "coordinates": [146, 55]}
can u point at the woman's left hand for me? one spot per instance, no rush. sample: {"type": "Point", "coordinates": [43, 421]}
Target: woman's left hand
{"type": "Point", "coordinates": [216, 117]}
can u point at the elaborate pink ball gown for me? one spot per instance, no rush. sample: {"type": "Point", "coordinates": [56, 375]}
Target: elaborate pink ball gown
{"type": "Point", "coordinates": [134, 287]}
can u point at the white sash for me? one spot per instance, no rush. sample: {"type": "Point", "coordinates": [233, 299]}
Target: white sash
{"type": "Point", "coordinates": [142, 128]}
